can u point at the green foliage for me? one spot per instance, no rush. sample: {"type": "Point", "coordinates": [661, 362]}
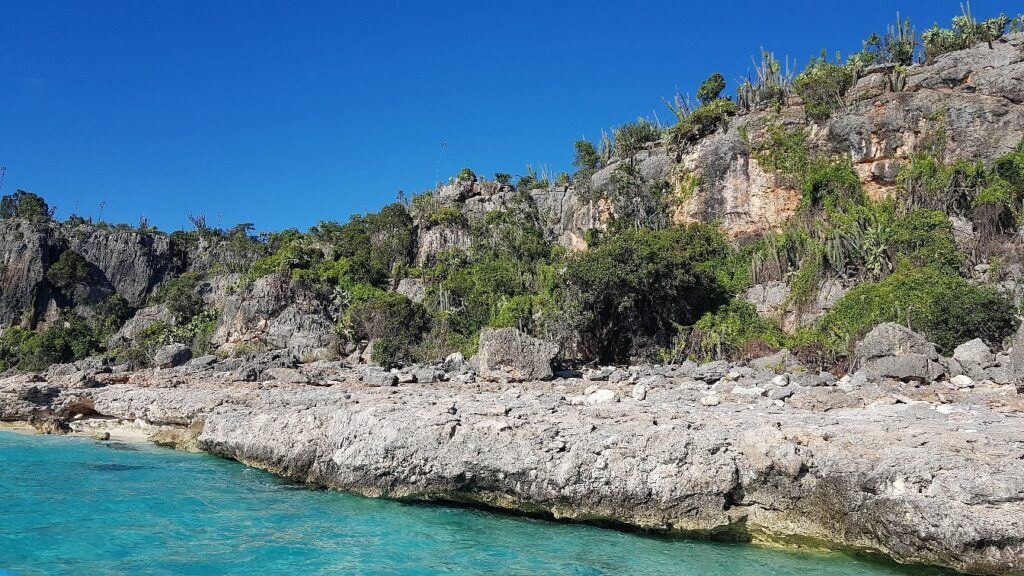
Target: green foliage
{"type": "Point", "coordinates": [964, 33]}
{"type": "Point", "coordinates": [770, 86]}
{"type": "Point", "coordinates": [623, 297]}
{"type": "Point", "coordinates": [70, 338]}
{"type": "Point", "coordinates": [445, 216]}
{"type": "Point", "coordinates": [394, 324]}
{"type": "Point", "coordinates": [466, 175]}
{"type": "Point", "coordinates": [180, 296]}
{"type": "Point", "coordinates": [823, 86]}
{"type": "Point", "coordinates": [897, 46]}
{"type": "Point", "coordinates": [939, 303]}
{"type": "Point", "coordinates": [587, 157]}
{"type": "Point", "coordinates": [503, 178]}
{"type": "Point", "coordinates": [69, 269]}
{"type": "Point", "coordinates": [636, 202]}
{"type": "Point", "coordinates": [829, 183]}
{"type": "Point", "coordinates": [703, 121]}
{"type": "Point", "coordinates": [728, 331]}
{"type": "Point", "coordinates": [26, 206]}
{"type": "Point", "coordinates": [711, 88]}
{"type": "Point", "coordinates": [630, 138]}
{"type": "Point", "coordinates": [196, 333]}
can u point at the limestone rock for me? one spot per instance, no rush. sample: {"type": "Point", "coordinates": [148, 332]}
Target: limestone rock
{"type": "Point", "coordinates": [509, 354]}
{"type": "Point", "coordinates": [172, 355]}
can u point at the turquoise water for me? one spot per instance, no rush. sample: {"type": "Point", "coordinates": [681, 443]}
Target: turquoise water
{"type": "Point", "coordinates": [75, 506]}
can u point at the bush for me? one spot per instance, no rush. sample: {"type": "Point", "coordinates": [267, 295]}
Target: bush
{"type": "Point", "coordinates": [69, 269]}
{"type": "Point", "coordinates": [466, 175]}
{"type": "Point", "coordinates": [25, 205]}
{"type": "Point", "coordinates": [624, 297]}
{"type": "Point", "coordinates": [829, 183]}
{"type": "Point", "coordinates": [823, 86]}
{"type": "Point", "coordinates": [180, 297]}
{"type": "Point", "coordinates": [630, 138]}
{"type": "Point", "coordinates": [711, 88]}
{"type": "Point", "coordinates": [942, 305]}
{"type": "Point", "coordinates": [394, 324]}
{"type": "Point", "coordinates": [67, 340]}
{"type": "Point", "coordinates": [703, 121]}
{"type": "Point", "coordinates": [729, 331]}
{"type": "Point", "coordinates": [587, 157]}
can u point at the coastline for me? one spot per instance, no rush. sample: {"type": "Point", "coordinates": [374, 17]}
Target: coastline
{"type": "Point", "coordinates": [894, 473]}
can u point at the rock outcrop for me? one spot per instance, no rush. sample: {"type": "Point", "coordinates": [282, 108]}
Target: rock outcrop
{"type": "Point", "coordinates": [925, 473]}
{"type": "Point", "coordinates": [272, 313]}
{"type": "Point", "coordinates": [510, 355]}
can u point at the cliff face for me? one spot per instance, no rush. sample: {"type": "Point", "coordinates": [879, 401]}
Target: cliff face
{"type": "Point", "coordinates": [128, 262]}
{"type": "Point", "coordinates": [973, 100]}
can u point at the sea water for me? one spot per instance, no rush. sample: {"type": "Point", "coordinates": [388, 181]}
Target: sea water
{"type": "Point", "coordinates": [77, 506]}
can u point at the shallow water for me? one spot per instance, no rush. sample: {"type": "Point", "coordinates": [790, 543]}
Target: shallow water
{"type": "Point", "coordinates": [75, 506]}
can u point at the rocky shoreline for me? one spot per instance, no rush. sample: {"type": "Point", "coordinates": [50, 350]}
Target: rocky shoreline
{"type": "Point", "coordinates": [923, 472]}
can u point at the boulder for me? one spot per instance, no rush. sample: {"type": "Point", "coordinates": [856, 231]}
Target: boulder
{"type": "Point", "coordinates": [142, 319]}
{"type": "Point", "coordinates": [894, 351]}
{"type": "Point", "coordinates": [412, 288]}
{"type": "Point", "coordinates": [378, 377]}
{"type": "Point", "coordinates": [891, 339]}
{"type": "Point", "coordinates": [511, 355]}
{"type": "Point", "coordinates": [712, 371]}
{"type": "Point", "coordinates": [172, 355]}
{"type": "Point", "coordinates": [974, 357]}
{"type": "Point", "coordinates": [286, 375]}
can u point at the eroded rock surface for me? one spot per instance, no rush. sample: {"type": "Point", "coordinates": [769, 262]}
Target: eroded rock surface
{"type": "Point", "coordinates": [924, 473]}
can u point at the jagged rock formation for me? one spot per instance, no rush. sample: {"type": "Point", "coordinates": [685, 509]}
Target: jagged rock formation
{"type": "Point", "coordinates": [973, 96]}
{"type": "Point", "coordinates": [272, 313]}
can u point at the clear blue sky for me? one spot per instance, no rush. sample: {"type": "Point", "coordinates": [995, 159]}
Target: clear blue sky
{"type": "Point", "coordinates": [288, 113]}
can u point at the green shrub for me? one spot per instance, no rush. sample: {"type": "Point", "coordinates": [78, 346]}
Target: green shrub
{"type": "Point", "coordinates": [466, 175]}
{"type": "Point", "coordinates": [587, 157]}
{"type": "Point", "coordinates": [69, 269]}
{"type": "Point", "coordinates": [25, 205]}
{"type": "Point", "coordinates": [823, 86]}
{"type": "Point", "coordinates": [939, 303]}
{"type": "Point", "coordinates": [69, 339]}
{"type": "Point", "coordinates": [897, 46]}
{"type": "Point", "coordinates": [727, 332]}
{"type": "Point", "coordinates": [829, 183]}
{"type": "Point", "coordinates": [711, 88]}
{"type": "Point", "coordinates": [623, 297]}
{"type": "Point", "coordinates": [964, 33]}
{"type": "Point", "coordinates": [180, 297]}
{"type": "Point", "coordinates": [394, 324]}
{"type": "Point", "coordinates": [703, 121]}
{"type": "Point", "coordinates": [630, 138]}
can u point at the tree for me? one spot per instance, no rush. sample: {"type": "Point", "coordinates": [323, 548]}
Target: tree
{"type": "Point", "coordinates": [623, 297]}
{"type": "Point", "coordinates": [587, 157]}
{"type": "Point", "coordinates": [25, 205]}
{"type": "Point", "coordinates": [711, 88]}
{"type": "Point", "coordinates": [70, 268]}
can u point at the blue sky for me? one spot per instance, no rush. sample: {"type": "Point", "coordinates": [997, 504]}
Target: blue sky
{"type": "Point", "coordinates": [288, 113]}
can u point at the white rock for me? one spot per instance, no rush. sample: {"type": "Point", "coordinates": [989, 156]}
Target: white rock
{"type": "Point", "coordinates": [751, 391]}
{"type": "Point", "coordinates": [639, 392]}
{"type": "Point", "coordinates": [962, 381]}
{"type": "Point", "coordinates": [781, 380]}
{"type": "Point", "coordinates": [601, 396]}
{"type": "Point", "coordinates": [710, 401]}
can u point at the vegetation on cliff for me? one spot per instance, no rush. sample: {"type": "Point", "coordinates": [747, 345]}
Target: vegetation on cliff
{"type": "Point", "coordinates": [646, 287]}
